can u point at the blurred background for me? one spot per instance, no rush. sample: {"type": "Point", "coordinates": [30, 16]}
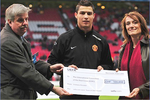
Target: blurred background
{"type": "Point", "coordinates": [50, 18]}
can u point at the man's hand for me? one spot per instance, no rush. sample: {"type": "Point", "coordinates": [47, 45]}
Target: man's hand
{"type": "Point", "coordinates": [134, 93]}
{"type": "Point", "coordinates": [57, 68]}
{"type": "Point", "coordinates": [99, 68]}
{"type": "Point", "coordinates": [117, 69]}
{"type": "Point", "coordinates": [60, 91]}
{"type": "Point", "coordinates": [73, 66]}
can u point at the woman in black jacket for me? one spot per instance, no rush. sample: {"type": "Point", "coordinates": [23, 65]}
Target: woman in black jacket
{"type": "Point", "coordinates": [134, 55]}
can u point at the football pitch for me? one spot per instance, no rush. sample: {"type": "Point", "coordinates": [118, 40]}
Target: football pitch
{"type": "Point", "coordinates": [100, 98]}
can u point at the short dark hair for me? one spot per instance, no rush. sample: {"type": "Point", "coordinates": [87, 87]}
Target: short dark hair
{"type": "Point", "coordinates": [85, 3]}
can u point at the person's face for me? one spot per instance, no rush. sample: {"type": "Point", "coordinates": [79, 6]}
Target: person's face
{"type": "Point", "coordinates": [20, 24]}
{"type": "Point", "coordinates": [133, 27]}
{"type": "Point", "coordinates": [85, 16]}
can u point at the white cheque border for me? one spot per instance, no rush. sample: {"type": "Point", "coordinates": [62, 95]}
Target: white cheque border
{"type": "Point", "coordinates": [91, 82]}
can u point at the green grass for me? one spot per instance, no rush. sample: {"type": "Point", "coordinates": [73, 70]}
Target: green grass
{"type": "Point", "coordinates": [100, 98]}
{"type": "Point", "coordinates": [47, 99]}
{"type": "Point", "coordinates": [108, 98]}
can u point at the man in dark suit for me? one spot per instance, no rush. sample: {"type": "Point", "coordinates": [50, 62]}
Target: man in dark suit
{"type": "Point", "coordinates": [20, 77]}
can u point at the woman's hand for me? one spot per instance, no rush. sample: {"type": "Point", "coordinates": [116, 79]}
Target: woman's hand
{"type": "Point", "coordinates": [134, 93]}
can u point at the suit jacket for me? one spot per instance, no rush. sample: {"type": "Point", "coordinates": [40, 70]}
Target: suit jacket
{"type": "Point", "coordinates": [20, 77]}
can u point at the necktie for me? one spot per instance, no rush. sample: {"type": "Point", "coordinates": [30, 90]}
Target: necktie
{"type": "Point", "coordinates": [25, 44]}
{"type": "Point", "coordinates": [22, 39]}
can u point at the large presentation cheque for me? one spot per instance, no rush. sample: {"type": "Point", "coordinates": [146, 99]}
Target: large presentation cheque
{"type": "Point", "coordinates": [91, 82]}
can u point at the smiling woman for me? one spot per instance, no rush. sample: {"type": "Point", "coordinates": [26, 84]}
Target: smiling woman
{"type": "Point", "coordinates": [134, 21]}
{"type": "Point", "coordinates": [134, 55]}
{"type": "Point", "coordinates": [133, 27]}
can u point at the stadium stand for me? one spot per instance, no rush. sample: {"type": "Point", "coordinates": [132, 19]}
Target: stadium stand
{"type": "Point", "coordinates": [46, 24]}
{"type": "Point", "coordinates": [43, 28]}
